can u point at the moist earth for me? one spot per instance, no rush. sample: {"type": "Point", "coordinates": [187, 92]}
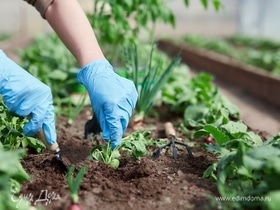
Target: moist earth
{"type": "Point", "coordinates": [148, 183]}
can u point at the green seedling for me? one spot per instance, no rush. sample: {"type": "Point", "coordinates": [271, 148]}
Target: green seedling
{"type": "Point", "coordinates": [107, 155]}
{"type": "Point", "coordinates": [74, 183]}
{"type": "Point", "coordinates": [148, 76]}
{"type": "Point", "coordinates": [136, 143]}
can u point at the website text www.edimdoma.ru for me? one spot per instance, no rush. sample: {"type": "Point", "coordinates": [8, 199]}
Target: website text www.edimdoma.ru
{"type": "Point", "coordinates": [248, 198]}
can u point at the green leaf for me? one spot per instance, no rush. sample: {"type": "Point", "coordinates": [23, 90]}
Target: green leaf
{"type": "Point", "coordinates": [210, 172]}
{"type": "Point", "coordinates": [150, 77]}
{"type": "Point", "coordinates": [115, 154]}
{"type": "Point", "coordinates": [105, 153]}
{"type": "Point", "coordinates": [217, 4]}
{"type": "Point", "coordinates": [35, 143]}
{"type": "Point", "coordinates": [264, 152]}
{"type": "Point", "coordinates": [96, 153]}
{"type": "Point", "coordinates": [273, 164]}
{"type": "Point", "coordinates": [233, 110]}
{"type": "Point", "coordinates": [186, 2]}
{"type": "Point", "coordinates": [225, 168]}
{"type": "Point", "coordinates": [234, 127]}
{"type": "Point", "coordinates": [128, 3]}
{"type": "Point", "coordinates": [24, 142]}
{"type": "Point", "coordinates": [15, 186]}
{"type": "Point", "coordinates": [204, 3]}
{"type": "Point", "coordinates": [219, 136]}
{"type": "Point", "coordinates": [136, 143]}
{"type": "Point", "coordinates": [262, 156]}
{"type": "Point", "coordinates": [254, 138]}
{"type": "Point", "coordinates": [200, 133]}
{"type": "Point", "coordinates": [252, 163]}
{"type": "Point", "coordinates": [74, 182]}
{"type": "Point", "coordinates": [244, 171]}
{"type": "Point", "coordinates": [217, 149]}
{"type": "Point", "coordinates": [114, 163]}
{"type": "Point", "coordinates": [194, 115]}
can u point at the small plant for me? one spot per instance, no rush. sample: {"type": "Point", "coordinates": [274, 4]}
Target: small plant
{"type": "Point", "coordinates": [74, 185]}
{"type": "Point", "coordinates": [136, 143]}
{"type": "Point", "coordinates": [107, 155]}
{"type": "Point", "coordinates": [11, 136]}
{"type": "Point", "coordinates": [148, 77]}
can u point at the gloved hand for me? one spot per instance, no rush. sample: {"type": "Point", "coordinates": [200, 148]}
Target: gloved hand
{"type": "Point", "coordinates": [113, 98]}
{"type": "Point", "coordinates": [26, 96]}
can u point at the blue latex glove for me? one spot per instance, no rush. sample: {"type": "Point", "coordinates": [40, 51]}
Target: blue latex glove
{"type": "Point", "coordinates": [113, 98]}
{"type": "Point", "coordinates": [26, 96]}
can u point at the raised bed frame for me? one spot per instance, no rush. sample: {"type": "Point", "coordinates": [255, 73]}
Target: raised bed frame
{"type": "Point", "coordinates": [254, 80]}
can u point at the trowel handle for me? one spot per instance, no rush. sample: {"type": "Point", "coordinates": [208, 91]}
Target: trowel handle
{"type": "Point", "coordinates": [42, 137]}
{"type": "Point", "coordinates": [169, 129]}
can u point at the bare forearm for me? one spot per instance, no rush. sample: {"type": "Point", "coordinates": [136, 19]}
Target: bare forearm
{"type": "Point", "coordinates": [69, 21]}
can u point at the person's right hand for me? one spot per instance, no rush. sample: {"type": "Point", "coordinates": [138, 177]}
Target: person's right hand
{"type": "Point", "coordinates": [26, 96]}
{"type": "Point", "coordinates": [113, 98]}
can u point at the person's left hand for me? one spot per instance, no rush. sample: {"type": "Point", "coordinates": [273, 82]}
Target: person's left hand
{"type": "Point", "coordinates": [27, 96]}
{"type": "Point", "coordinates": [113, 98]}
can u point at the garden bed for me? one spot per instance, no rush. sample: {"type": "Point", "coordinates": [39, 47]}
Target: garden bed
{"type": "Point", "coordinates": [252, 79]}
{"type": "Point", "coordinates": [151, 183]}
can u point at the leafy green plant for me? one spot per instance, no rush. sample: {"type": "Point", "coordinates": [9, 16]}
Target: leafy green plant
{"type": "Point", "coordinates": [120, 22]}
{"type": "Point", "coordinates": [11, 136]}
{"type": "Point", "coordinates": [11, 176]}
{"type": "Point", "coordinates": [136, 143]}
{"type": "Point", "coordinates": [176, 89]}
{"type": "Point", "coordinates": [247, 167]}
{"type": "Point", "coordinates": [107, 155]}
{"type": "Point", "coordinates": [74, 183]}
{"type": "Point", "coordinates": [197, 99]}
{"type": "Point", "coordinates": [250, 173]}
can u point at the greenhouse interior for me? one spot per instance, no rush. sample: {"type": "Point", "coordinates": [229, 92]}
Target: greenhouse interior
{"type": "Point", "coordinates": [152, 104]}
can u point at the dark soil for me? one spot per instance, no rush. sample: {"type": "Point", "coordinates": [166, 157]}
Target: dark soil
{"type": "Point", "coordinates": [151, 183]}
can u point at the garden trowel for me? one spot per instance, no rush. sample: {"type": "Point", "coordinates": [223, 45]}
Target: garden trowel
{"type": "Point", "coordinates": [91, 126]}
{"type": "Point", "coordinates": [63, 161]}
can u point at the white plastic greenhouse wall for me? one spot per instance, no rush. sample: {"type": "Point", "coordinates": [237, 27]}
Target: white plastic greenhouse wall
{"type": "Point", "coordinates": [251, 17]}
